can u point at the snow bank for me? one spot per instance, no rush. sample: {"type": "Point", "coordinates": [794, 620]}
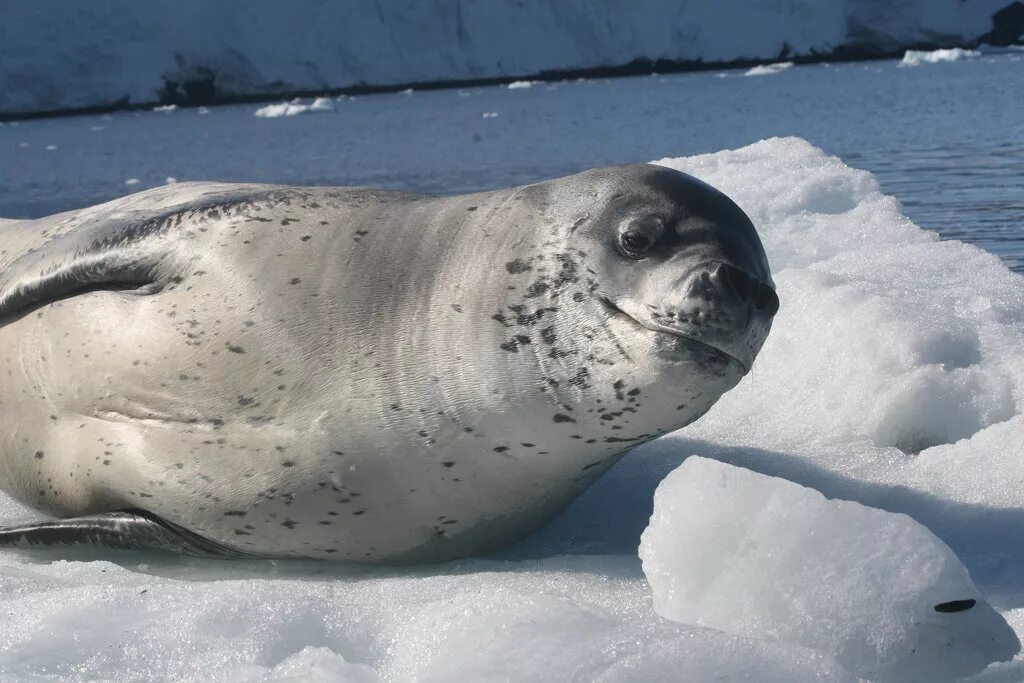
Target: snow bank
{"type": "Point", "coordinates": [763, 557]}
{"type": "Point", "coordinates": [108, 51]}
{"type": "Point", "coordinates": [956, 54]}
{"type": "Point", "coordinates": [894, 377]}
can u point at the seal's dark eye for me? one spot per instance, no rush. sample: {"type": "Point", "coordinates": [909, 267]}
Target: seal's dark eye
{"type": "Point", "coordinates": [639, 237]}
{"type": "Point", "coordinates": [635, 242]}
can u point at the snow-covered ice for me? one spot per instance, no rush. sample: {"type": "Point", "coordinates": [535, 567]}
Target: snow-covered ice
{"type": "Point", "coordinates": [919, 57]}
{"type": "Point", "coordinates": [766, 558]}
{"type": "Point", "coordinates": [768, 69]}
{"type": "Point", "coordinates": [521, 85]}
{"type": "Point", "coordinates": [893, 377]}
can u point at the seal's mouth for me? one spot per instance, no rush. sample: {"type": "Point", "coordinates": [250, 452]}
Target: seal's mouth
{"type": "Point", "coordinates": [689, 341]}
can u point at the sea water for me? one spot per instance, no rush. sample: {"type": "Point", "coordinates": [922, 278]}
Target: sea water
{"type": "Point", "coordinates": [946, 139]}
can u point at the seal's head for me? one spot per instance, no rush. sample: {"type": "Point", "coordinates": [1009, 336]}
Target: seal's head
{"type": "Point", "coordinates": [681, 260]}
{"type": "Point", "coordinates": [678, 280]}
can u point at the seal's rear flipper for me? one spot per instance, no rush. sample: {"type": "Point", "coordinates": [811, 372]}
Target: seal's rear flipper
{"type": "Point", "coordinates": [128, 530]}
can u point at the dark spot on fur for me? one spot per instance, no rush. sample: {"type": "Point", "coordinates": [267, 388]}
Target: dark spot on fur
{"type": "Point", "coordinates": [560, 417]}
{"type": "Point", "coordinates": [536, 289]}
{"type": "Point", "coordinates": [39, 454]}
{"type": "Point", "coordinates": [618, 389]}
{"type": "Point", "coordinates": [517, 266]}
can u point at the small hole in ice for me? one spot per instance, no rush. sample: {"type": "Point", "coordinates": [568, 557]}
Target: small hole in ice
{"type": "Point", "coordinates": [955, 606]}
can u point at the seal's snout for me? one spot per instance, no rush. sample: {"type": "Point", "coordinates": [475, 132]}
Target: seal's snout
{"type": "Point", "coordinates": [744, 289]}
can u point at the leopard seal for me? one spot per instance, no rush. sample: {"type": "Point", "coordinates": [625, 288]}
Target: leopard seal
{"type": "Point", "coordinates": [360, 374]}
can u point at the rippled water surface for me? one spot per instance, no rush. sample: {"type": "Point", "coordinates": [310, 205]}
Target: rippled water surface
{"type": "Point", "coordinates": [946, 139]}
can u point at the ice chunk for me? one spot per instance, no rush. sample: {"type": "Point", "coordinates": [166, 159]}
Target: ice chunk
{"type": "Point", "coordinates": [919, 57]}
{"type": "Point", "coordinates": [521, 85]}
{"type": "Point", "coordinates": [295, 107]}
{"type": "Point", "coordinates": [768, 69]}
{"type": "Point", "coordinates": [764, 557]}
{"type": "Point", "coordinates": [322, 104]}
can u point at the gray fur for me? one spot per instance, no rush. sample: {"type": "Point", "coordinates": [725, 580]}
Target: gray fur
{"type": "Point", "coordinates": [364, 375]}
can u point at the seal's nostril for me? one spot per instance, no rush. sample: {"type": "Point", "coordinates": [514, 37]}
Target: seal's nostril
{"type": "Point", "coordinates": [767, 300]}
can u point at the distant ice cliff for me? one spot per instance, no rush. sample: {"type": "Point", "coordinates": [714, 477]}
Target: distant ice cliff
{"type": "Point", "coordinates": [63, 55]}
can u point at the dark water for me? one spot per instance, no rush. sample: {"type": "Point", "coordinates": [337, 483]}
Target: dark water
{"type": "Point", "coordinates": [946, 139]}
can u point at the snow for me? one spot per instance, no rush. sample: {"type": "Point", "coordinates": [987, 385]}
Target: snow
{"type": "Point", "coordinates": [893, 377]}
{"type": "Point", "coordinates": [106, 52]}
{"type": "Point", "coordinates": [766, 558]}
{"type": "Point", "coordinates": [918, 57]}
{"type": "Point", "coordinates": [521, 85]}
{"type": "Point", "coordinates": [768, 69]}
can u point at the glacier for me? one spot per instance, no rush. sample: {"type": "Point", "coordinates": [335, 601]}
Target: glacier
{"type": "Point", "coordinates": [62, 55]}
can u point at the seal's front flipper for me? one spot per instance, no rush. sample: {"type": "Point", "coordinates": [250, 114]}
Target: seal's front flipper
{"type": "Point", "coordinates": [128, 530]}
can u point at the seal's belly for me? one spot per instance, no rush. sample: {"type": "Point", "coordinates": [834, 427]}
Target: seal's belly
{"type": "Point", "coordinates": [165, 404]}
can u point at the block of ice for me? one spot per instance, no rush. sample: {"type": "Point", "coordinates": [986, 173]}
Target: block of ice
{"type": "Point", "coordinates": [919, 57]}
{"type": "Point", "coordinates": [763, 557]}
{"type": "Point", "coordinates": [768, 69]}
{"type": "Point", "coordinates": [295, 107]}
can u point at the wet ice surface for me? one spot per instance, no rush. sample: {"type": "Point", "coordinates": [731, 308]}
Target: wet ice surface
{"type": "Point", "coordinates": [893, 377]}
{"type": "Point", "coordinates": [943, 138]}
